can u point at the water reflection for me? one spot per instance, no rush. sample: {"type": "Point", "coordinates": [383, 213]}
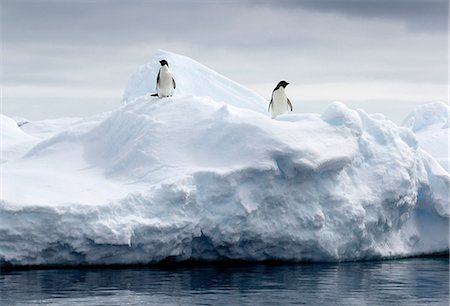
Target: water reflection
{"type": "Point", "coordinates": [407, 282]}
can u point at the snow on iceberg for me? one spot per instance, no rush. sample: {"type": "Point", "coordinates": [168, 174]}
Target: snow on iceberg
{"type": "Point", "coordinates": [430, 123]}
{"type": "Point", "coordinates": [13, 141]}
{"type": "Point", "coordinates": [428, 114]}
{"type": "Point", "coordinates": [192, 79]}
{"type": "Point", "coordinates": [190, 177]}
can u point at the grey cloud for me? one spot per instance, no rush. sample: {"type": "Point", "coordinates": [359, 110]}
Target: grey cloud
{"type": "Point", "coordinates": [267, 25]}
{"type": "Point", "coordinates": [417, 15]}
{"type": "Point", "coordinates": [113, 22]}
{"type": "Point", "coordinates": [98, 44]}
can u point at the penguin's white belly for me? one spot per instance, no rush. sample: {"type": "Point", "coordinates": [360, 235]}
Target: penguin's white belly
{"type": "Point", "coordinates": [279, 103]}
{"type": "Point", "coordinates": [165, 87]}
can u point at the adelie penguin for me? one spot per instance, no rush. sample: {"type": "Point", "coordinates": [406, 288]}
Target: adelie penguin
{"type": "Point", "coordinates": [279, 103]}
{"type": "Point", "coordinates": [165, 84]}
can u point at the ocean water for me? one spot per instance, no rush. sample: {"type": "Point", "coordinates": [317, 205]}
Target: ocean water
{"type": "Point", "coordinates": [418, 281]}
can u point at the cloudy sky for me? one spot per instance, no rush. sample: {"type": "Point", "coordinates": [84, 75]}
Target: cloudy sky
{"type": "Point", "coordinates": [73, 58]}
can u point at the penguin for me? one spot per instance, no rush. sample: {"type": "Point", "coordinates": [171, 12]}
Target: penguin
{"type": "Point", "coordinates": [165, 84]}
{"type": "Point", "coordinates": [279, 103]}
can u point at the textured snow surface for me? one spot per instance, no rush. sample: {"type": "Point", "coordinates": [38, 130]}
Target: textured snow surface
{"type": "Point", "coordinates": [206, 175]}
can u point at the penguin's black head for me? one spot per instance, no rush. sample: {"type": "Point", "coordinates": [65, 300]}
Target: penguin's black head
{"type": "Point", "coordinates": [282, 84]}
{"type": "Point", "coordinates": [163, 62]}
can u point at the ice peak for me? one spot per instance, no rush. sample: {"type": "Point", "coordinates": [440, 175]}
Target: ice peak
{"type": "Point", "coordinates": [193, 79]}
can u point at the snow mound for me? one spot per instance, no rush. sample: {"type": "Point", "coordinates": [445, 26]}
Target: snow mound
{"type": "Point", "coordinates": [194, 79]}
{"type": "Point", "coordinates": [11, 133]}
{"type": "Point", "coordinates": [428, 114]}
{"type": "Point", "coordinates": [430, 124]}
{"type": "Point", "coordinates": [13, 141]}
{"type": "Point", "coordinates": [190, 177]}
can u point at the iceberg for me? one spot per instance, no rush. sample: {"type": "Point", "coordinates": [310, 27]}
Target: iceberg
{"type": "Point", "coordinates": [208, 175]}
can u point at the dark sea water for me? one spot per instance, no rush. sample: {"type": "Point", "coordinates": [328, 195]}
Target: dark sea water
{"type": "Point", "coordinates": [419, 281]}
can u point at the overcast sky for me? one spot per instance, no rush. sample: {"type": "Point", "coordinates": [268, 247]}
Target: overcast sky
{"type": "Point", "coordinates": [73, 58]}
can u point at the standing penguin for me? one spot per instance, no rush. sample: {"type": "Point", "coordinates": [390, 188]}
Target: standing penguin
{"type": "Point", "coordinates": [279, 103]}
{"type": "Point", "coordinates": [165, 84]}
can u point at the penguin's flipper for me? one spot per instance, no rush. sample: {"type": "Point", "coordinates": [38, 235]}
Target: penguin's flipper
{"type": "Point", "coordinates": [154, 95]}
{"type": "Point", "coordinates": [289, 103]}
{"type": "Point", "coordinates": [157, 78]}
{"type": "Point", "coordinates": [270, 104]}
{"type": "Point", "coordinates": [174, 84]}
